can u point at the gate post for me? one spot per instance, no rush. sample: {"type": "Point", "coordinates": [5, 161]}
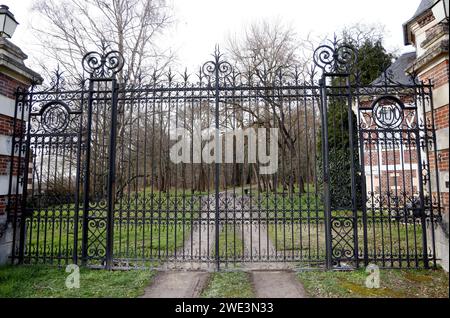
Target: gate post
{"type": "Point", "coordinates": [423, 217]}
{"type": "Point", "coordinates": [353, 171]}
{"type": "Point", "coordinates": [326, 172]}
{"type": "Point", "coordinates": [103, 68]}
{"type": "Point", "coordinates": [217, 154]}
{"type": "Point", "coordinates": [14, 75]}
{"type": "Point", "coordinates": [86, 180]}
{"type": "Point", "coordinates": [111, 178]}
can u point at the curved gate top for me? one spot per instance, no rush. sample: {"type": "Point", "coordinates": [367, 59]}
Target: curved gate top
{"type": "Point", "coordinates": [226, 168]}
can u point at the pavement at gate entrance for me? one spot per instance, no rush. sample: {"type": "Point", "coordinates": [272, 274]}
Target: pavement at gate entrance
{"type": "Point", "coordinates": [267, 284]}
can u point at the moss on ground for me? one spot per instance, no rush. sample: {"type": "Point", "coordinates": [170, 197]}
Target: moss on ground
{"type": "Point", "coordinates": [393, 284]}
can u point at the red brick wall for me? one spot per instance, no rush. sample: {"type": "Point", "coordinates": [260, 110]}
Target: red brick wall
{"type": "Point", "coordinates": [398, 183]}
{"type": "Point", "coordinates": [5, 166]}
{"type": "Point", "coordinates": [442, 160]}
{"type": "Point", "coordinates": [438, 74]}
{"type": "Point", "coordinates": [441, 117]}
{"type": "Point", "coordinates": [6, 125]}
{"type": "Point", "coordinates": [445, 201]}
{"type": "Point", "coordinates": [3, 203]}
{"type": "Point", "coordinates": [8, 88]}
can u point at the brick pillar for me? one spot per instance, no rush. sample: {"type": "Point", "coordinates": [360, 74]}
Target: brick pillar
{"type": "Point", "coordinates": [428, 32]}
{"type": "Point", "coordinates": [13, 75]}
{"type": "Point", "coordinates": [434, 66]}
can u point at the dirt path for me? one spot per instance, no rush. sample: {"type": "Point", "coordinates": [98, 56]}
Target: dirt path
{"type": "Point", "coordinates": [271, 283]}
{"type": "Point", "coordinates": [277, 284]}
{"type": "Point", "coordinates": [177, 285]}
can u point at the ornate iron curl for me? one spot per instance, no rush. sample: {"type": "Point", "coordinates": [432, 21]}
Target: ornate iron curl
{"type": "Point", "coordinates": [388, 112]}
{"type": "Point", "coordinates": [335, 58]}
{"type": "Point", "coordinates": [55, 117]}
{"type": "Point", "coordinates": [103, 65]}
{"type": "Point", "coordinates": [217, 69]}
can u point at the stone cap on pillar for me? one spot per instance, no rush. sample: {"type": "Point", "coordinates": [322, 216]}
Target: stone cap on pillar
{"type": "Point", "coordinates": [12, 63]}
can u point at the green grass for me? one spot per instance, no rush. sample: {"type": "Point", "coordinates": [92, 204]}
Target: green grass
{"type": "Point", "coordinates": [287, 204]}
{"type": "Point", "coordinates": [147, 225]}
{"type": "Point", "coordinates": [229, 285]}
{"type": "Point", "coordinates": [393, 284]}
{"type": "Point", "coordinates": [49, 282]}
{"type": "Point", "coordinates": [306, 238]}
{"type": "Point", "coordinates": [143, 233]}
{"type": "Point", "coordinates": [384, 237]}
{"type": "Point", "coordinates": [163, 204]}
{"type": "Point", "coordinates": [392, 237]}
{"type": "Point", "coordinates": [230, 243]}
{"type": "Point", "coordinates": [55, 239]}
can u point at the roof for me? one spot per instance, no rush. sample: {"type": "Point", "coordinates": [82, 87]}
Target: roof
{"type": "Point", "coordinates": [424, 6]}
{"type": "Point", "coordinates": [397, 71]}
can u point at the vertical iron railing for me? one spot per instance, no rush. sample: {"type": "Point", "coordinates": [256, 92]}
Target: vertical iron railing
{"type": "Point", "coordinates": [326, 173]}
{"type": "Point", "coordinates": [111, 177]}
{"type": "Point", "coordinates": [87, 168]}
{"type": "Point", "coordinates": [354, 204]}
{"type": "Point", "coordinates": [26, 166]}
{"type": "Point", "coordinates": [217, 155]}
{"type": "Point", "coordinates": [251, 211]}
{"type": "Point", "coordinates": [102, 68]}
{"type": "Point", "coordinates": [17, 137]}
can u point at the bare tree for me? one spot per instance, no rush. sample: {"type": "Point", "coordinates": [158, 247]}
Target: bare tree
{"type": "Point", "coordinates": [69, 29]}
{"type": "Point", "coordinates": [264, 49]}
{"type": "Point", "coordinates": [271, 53]}
{"type": "Point", "coordinates": [360, 33]}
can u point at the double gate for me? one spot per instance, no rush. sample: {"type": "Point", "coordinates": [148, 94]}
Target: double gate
{"type": "Point", "coordinates": [225, 169]}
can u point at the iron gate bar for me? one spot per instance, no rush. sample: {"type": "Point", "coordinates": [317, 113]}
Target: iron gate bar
{"type": "Point", "coordinates": [326, 172]}
{"type": "Point", "coordinates": [290, 223]}
{"type": "Point", "coordinates": [422, 197]}
{"type": "Point", "coordinates": [434, 142]}
{"type": "Point", "coordinates": [217, 65]}
{"type": "Point", "coordinates": [79, 173]}
{"type": "Point", "coordinates": [23, 209]}
{"type": "Point", "coordinates": [363, 183]}
{"type": "Point", "coordinates": [352, 169]}
{"type": "Point", "coordinates": [111, 177]}
{"type": "Point", "coordinates": [87, 165]}
{"type": "Point", "coordinates": [13, 160]}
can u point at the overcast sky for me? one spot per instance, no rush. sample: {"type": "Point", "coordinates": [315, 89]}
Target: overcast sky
{"type": "Point", "coordinates": [200, 24]}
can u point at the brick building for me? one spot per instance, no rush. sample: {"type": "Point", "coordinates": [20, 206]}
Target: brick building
{"type": "Point", "coordinates": [390, 162]}
{"type": "Point", "coordinates": [428, 32]}
{"type": "Point", "coordinates": [13, 75]}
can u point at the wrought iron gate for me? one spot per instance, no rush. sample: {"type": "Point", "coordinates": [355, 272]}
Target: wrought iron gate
{"type": "Point", "coordinates": [119, 176]}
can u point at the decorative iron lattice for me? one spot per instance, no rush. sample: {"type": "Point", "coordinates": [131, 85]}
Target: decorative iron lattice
{"type": "Point", "coordinates": [94, 182]}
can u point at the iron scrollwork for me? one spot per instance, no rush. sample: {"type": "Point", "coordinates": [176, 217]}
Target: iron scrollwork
{"type": "Point", "coordinates": [103, 65]}
{"type": "Point", "coordinates": [335, 58]}
{"type": "Point", "coordinates": [342, 238]}
{"type": "Point", "coordinates": [135, 222]}
{"type": "Point", "coordinates": [388, 112]}
{"type": "Point", "coordinates": [55, 117]}
{"type": "Point", "coordinates": [217, 69]}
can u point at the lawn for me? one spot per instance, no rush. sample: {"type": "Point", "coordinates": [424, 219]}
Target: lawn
{"type": "Point", "coordinates": [49, 282]}
{"type": "Point", "coordinates": [52, 240]}
{"type": "Point", "coordinates": [146, 227]}
{"type": "Point", "coordinates": [229, 285]}
{"type": "Point", "coordinates": [230, 243]}
{"type": "Point", "coordinates": [152, 226]}
{"type": "Point", "coordinates": [393, 284]}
